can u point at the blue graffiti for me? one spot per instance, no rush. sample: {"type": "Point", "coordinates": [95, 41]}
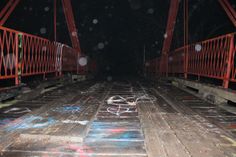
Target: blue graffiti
{"type": "Point", "coordinates": [32, 122]}
{"type": "Point", "coordinates": [5, 121]}
{"type": "Point", "coordinates": [67, 109]}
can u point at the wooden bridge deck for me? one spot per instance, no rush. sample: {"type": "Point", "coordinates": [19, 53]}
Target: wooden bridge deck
{"type": "Point", "coordinates": [129, 118]}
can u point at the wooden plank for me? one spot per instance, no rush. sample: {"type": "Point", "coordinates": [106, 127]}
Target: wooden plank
{"type": "Point", "coordinates": [115, 125]}
{"type": "Point", "coordinates": [94, 149]}
{"type": "Point", "coordinates": [56, 154]}
{"type": "Point", "coordinates": [71, 123]}
{"type": "Point", "coordinates": [154, 146]}
{"type": "Point", "coordinates": [115, 135]}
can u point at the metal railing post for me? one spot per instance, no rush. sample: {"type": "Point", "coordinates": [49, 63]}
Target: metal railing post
{"type": "Point", "coordinates": [229, 62]}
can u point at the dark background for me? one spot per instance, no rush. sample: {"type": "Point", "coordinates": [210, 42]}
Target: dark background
{"type": "Point", "coordinates": [115, 31]}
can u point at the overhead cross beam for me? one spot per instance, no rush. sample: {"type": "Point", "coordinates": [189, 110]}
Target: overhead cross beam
{"type": "Point", "coordinates": [229, 10]}
{"type": "Point", "coordinates": [71, 24]}
{"type": "Point", "coordinates": [7, 10]}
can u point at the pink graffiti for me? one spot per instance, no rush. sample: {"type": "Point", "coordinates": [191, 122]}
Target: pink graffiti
{"type": "Point", "coordinates": [119, 130]}
{"type": "Point", "coordinates": [80, 151]}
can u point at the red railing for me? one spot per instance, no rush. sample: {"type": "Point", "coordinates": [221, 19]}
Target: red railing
{"type": "Point", "coordinates": [9, 53]}
{"type": "Point", "coordinates": [37, 55]}
{"type": "Point", "coordinates": [213, 58]}
{"type": "Point", "coordinates": [233, 62]}
{"type": "Point", "coordinates": [22, 55]}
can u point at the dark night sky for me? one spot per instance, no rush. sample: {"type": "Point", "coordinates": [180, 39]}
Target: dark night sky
{"type": "Point", "coordinates": [115, 31]}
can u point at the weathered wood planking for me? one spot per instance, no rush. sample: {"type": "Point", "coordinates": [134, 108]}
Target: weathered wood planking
{"type": "Point", "coordinates": [38, 117]}
{"type": "Point", "coordinates": [117, 134]}
{"type": "Point", "coordinates": [114, 135]}
{"type": "Point", "coordinates": [125, 125]}
{"type": "Point", "coordinates": [180, 134]}
{"type": "Point", "coordinates": [215, 114]}
{"type": "Point", "coordinates": [71, 123]}
{"type": "Point", "coordinates": [43, 147]}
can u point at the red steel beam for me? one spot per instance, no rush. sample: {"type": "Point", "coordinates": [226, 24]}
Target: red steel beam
{"type": "Point", "coordinates": [173, 11]}
{"type": "Point", "coordinates": [7, 10]}
{"type": "Point", "coordinates": [174, 6]}
{"type": "Point", "coordinates": [71, 24]}
{"type": "Point", "coordinates": [55, 20]}
{"type": "Point", "coordinates": [186, 38]}
{"type": "Point", "coordinates": [229, 10]}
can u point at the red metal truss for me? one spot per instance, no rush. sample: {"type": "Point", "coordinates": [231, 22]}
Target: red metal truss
{"type": "Point", "coordinates": [229, 10]}
{"type": "Point", "coordinates": [71, 24]}
{"type": "Point", "coordinates": [173, 10]}
{"type": "Point", "coordinates": [7, 10]}
{"type": "Point", "coordinates": [174, 6]}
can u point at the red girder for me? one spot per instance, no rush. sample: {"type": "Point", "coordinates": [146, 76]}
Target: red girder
{"type": "Point", "coordinates": [229, 10]}
{"type": "Point", "coordinates": [71, 24]}
{"type": "Point", "coordinates": [7, 10]}
{"type": "Point", "coordinates": [174, 6]}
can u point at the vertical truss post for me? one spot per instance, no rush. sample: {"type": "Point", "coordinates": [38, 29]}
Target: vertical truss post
{"type": "Point", "coordinates": [72, 28]}
{"type": "Point", "coordinates": [186, 39]}
{"type": "Point", "coordinates": [229, 62]}
{"type": "Point", "coordinates": [173, 10]}
{"type": "Point", "coordinates": [71, 24]}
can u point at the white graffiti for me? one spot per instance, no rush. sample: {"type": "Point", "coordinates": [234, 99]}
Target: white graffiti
{"type": "Point", "coordinates": [132, 100]}
{"type": "Point", "coordinates": [120, 105]}
{"type": "Point", "coordinates": [84, 122]}
{"type": "Point", "coordinates": [17, 110]}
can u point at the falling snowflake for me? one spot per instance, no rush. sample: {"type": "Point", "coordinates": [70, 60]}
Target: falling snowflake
{"type": "Point", "coordinates": [90, 29]}
{"type": "Point", "coordinates": [198, 47]}
{"type": "Point", "coordinates": [147, 64]}
{"type": "Point", "coordinates": [106, 42]}
{"type": "Point", "coordinates": [74, 34]}
{"type": "Point", "coordinates": [150, 11]}
{"type": "Point", "coordinates": [46, 9]}
{"type": "Point", "coordinates": [165, 35]}
{"type": "Point", "coordinates": [44, 48]}
{"type": "Point", "coordinates": [11, 60]}
{"type": "Point", "coordinates": [109, 78]}
{"type": "Point", "coordinates": [43, 30]}
{"type": "Point", "coordinates": [101, 45]}
{"type": "Point", "coordinates": [135, 4]}
{"type": "Point", "coordinates": [83, 61]}
{"type": "Point", "coordinates": [108, 68]}
{"type": "Point", "coordinates": [95, 21]}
